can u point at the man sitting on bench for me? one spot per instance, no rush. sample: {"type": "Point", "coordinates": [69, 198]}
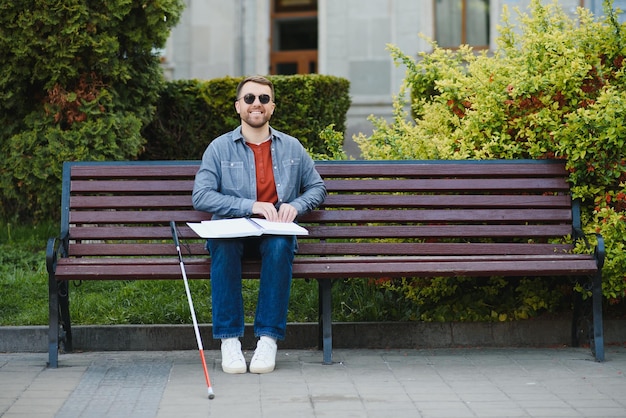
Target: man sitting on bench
{"type": "Point", "coordinates": [254, 171]}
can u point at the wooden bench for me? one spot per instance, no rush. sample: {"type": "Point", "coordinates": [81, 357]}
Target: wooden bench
{"type": "Point", "coordinates": [381, 219]}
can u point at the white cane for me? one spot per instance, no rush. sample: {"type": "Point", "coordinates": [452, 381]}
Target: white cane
{"type": "Point", "coordinates": [193, 312]}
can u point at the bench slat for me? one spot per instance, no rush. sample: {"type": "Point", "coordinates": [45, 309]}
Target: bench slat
{"type": "Point", "coordinates": [130, 202]}
{"type": "Point", "coordinates": [105, 262]}
{"type": "Point", "coordinates": [335, 268]}
{"type": "Point", "coordinates": [443, 168]}
{"type": "Point", "coordinates": [341, 169]}
{"type": "Point", "coordinates": [132, 186]}
{"type": "Point", "coordinates": [448, 185]}
{"type": "Point", "coordinates": [130, 217]}
{"type": "Point", "coordinates": [351, 231]}
{"type": "Point", "coordinates": [431, 248]}
{"type": "Point", "coordinates": [133, 250]}
{"type": "Point", "coordinates": [127, 170]}
{"type": "Point", "coordinates": [342, 200]}
{"type": "Point", "coordinates": [444, 215]}
{"type": "Point", "coordinates": [447, 201]}
{"type": "Point", "coordinates": [328, 249]}
{"type": "Point", "coordinates": [352, 185]}
{"type": "Point", "coordinates": [439, 231]}
{"type": "Point", "coordinates": [471, 215]}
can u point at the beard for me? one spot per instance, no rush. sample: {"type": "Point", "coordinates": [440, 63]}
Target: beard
{"type": "Point", "coordinates": [256, 120]}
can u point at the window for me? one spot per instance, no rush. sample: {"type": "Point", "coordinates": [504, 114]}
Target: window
{"type": "Point", "coordinates": [462, 22]}
{"type": "Point", "coordinates": [294, 37]}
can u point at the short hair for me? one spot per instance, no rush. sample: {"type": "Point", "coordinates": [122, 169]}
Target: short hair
{"type": "Point", "coordinates": [255, 79]}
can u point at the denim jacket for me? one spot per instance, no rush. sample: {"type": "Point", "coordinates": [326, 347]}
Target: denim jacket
{"type": "Point", "coordinates": [225, 184]}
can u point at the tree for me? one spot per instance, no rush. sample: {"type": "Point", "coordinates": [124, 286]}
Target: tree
{"type": "Point", "coordinates": [79, 81]}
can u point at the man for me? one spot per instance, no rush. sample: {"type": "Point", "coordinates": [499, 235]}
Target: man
{"type": "Point", "coordinates": [254, 170]}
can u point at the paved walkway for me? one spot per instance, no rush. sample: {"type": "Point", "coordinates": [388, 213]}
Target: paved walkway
{"type": "Point", "coordinates": [362, 383]}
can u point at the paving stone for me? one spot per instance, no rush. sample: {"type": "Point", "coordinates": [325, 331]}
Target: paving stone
{"type": "Point", "coordinates": [490, 382]}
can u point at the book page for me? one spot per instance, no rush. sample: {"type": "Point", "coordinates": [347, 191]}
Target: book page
{"type": "Point", "coordinates": [226, 228]}
{"type": "Point", "coordinates": [244, 227]}
{"type": "Point", "coordinates": [280, 228]}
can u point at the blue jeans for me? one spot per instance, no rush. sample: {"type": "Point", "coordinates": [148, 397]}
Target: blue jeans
{"type": "Point", "coordinates": [276, 253]}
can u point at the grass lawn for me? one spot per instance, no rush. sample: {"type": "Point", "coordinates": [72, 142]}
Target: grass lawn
{"type": "Point", "coordinates": [24, 292]}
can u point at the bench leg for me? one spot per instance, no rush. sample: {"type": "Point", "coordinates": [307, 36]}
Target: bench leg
{"type": "Point", "coordinates": [53, 323]}
{"type": "Point", "coordinates": [597, 345]}
{"type": "Point", "coordinates": [578, 316]}
{"type": "Point", "coordinates": [64, 309]}
{"type": "Point", "coordinates": [325, 319]}
{"type": "Point", "coordinates": [58, 309]}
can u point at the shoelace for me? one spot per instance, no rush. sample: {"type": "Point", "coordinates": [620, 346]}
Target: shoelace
{"type": "Point", "coordinates": [233, 351]}
{"type": "Point", "coordinates": [263, 350]}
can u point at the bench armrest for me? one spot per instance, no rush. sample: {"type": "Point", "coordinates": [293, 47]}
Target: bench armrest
{"type": "Point", "coordinates": [599, 252]}
{"type": "Point", "coordinates": [55, 248]}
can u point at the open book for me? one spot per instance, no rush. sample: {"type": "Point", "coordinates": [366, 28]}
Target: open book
{"type": "Point", "coordinates": [244, 227]}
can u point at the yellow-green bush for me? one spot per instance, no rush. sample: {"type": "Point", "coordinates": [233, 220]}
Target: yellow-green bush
{"type": "Point", "coordinates": [554, 88]}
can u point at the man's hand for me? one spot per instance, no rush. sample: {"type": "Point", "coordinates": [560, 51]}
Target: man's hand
{"type": "Point", "coordinates": [266, 210]}
{"type": "Point", "coordinates": [286, 212]}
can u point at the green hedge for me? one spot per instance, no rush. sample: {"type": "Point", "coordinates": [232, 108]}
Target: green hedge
{"type": "Point", "coordinates": [191, 113]}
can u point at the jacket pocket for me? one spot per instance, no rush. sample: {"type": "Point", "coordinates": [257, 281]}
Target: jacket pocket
{"type": "Point", "coordinates": [291, 170]}
{"type": "Point", "coordinates": [232, 175]}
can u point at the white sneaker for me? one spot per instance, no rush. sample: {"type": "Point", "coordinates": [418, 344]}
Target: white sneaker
{"type": "Point", "coordinates": [233, 361]}
{"type": "Point", "coordinates": [264, 359]}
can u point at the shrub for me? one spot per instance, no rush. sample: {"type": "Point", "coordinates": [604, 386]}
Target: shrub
{"type": "Point", "coordinates": [184, 123]}
{"type": "Point", "coordinates": [555, 88]}
{"type": "Point", "coordinates": [307, 104]}
{"type": "Point", "coordinates": [79, 80]}
{"type": "Point", "coordinates": [36, 155]}
{"type": "Point", "coordinates": [191, 113]}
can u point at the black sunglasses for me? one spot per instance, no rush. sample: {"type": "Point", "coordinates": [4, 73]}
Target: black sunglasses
{"type": "Point", "coordinates": [249, 98]}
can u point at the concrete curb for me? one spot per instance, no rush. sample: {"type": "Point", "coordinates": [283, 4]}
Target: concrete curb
{"type": "Point", "coordinates": [532, 333]}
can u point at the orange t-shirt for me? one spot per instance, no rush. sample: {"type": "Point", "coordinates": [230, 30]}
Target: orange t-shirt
{"type": "Point", "coordinates": [265, 186]}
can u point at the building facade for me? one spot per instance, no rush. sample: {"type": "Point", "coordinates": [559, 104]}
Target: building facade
{"type": "Point", "coordinates": [345, 38]}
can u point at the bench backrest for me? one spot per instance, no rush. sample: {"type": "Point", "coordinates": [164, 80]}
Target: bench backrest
{"type": "Point", "coordinates": [373, 208]}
